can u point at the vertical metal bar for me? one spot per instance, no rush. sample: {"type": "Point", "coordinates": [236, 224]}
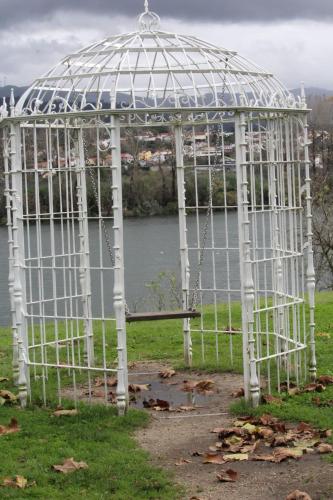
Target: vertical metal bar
{"type": "Point", "coordinates": [18, 265]}
{"type": "Point", "coordinates": [251, 383]}
{"type": "Point", "coordinates": [119, 279]}
{"type": "Point", "coordinates": [11, 277]}
{"type": "Point", "coordinates": [185, 266]}
{"type": "Point", "coordinates": [310, 273]}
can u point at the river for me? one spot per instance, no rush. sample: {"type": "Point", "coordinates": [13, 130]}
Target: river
{"type": "Point", "coordinates": [151, 247]}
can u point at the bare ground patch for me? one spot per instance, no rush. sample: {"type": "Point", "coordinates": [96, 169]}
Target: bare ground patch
{"type": "Point", "coordinates": [171, 437]}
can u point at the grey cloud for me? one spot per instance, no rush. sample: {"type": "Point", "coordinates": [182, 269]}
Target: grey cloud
{"type": "Point", "coordinates": [18, 11]}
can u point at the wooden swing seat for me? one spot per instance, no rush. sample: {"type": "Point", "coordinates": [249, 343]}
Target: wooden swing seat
{"type": "Point", "coordinates": [160, 315]}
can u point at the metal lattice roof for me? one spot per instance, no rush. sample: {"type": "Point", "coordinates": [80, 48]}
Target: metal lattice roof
{"type": "Point", "coordinates": [153, 69]}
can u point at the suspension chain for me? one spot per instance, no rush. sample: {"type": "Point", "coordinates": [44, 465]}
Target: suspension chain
{"type": "Point", "coordinates": [194, 299]}
{"type": "Point", "coordinates": [218, 146]}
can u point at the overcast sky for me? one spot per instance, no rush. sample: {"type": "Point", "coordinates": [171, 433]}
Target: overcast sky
{"type": "Point", "coordinates": [291, 38]}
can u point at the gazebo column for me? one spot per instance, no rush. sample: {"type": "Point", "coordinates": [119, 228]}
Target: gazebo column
{"type": "Point", "coordinates": [11, 278]}
{"type": "Point", "coordinates": [119, 279]}
{"type": "Point", "coordinates": [310, 271]}
{"type": "Point", "coordinates": [251, 382]}
{"type": "Point", "coordinates": [18, 253]}
{"type": "Point", "coordinates": [184, 258]}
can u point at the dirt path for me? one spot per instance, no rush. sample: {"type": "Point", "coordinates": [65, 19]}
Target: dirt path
{"type": "Point", "coordinates": [173, 436]}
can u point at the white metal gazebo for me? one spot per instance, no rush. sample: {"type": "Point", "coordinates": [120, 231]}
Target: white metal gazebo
{"type": "Point", "coordinates": [78, 111]}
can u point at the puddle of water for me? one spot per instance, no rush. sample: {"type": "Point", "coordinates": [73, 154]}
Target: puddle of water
{"type": "Point", "coordinates": [168, 392]}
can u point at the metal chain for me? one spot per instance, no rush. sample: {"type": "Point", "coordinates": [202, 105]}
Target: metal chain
{"type": "Point", "coordinates": [105, 231]}
{"type": "Point", "coordinates": [95, 190]}
{"type": "Point", "coordinates": [194, 299]}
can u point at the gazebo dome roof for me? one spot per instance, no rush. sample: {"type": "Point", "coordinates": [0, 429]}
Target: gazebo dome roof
{"type": "Point", "coordinates": [153, 69]}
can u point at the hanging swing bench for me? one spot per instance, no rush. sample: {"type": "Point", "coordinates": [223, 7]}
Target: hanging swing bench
{"type": "Point", "coordinates": [160, 315]}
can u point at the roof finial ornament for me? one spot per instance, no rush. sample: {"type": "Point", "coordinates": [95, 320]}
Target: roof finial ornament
{"type": "Point", "coordinates": [149, 21]}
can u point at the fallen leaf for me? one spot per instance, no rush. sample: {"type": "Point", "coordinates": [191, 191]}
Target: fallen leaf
{"type": "Point", "coordinates": [65, 413]}
{"type": "Point", "coordinates": [236, 457]}
{"type": "Point", "coordinates": [227, 476]}
{"type": "Point", "coordinates": [156, 404]}
{"type": "Point", "coordinates": [4, 379]}
{"type": "Point", "coordinates": [19, 482]}
{"type": "Point", "coordinates": [203, 386]}
{"type": "Point", "coordinates": [294, 391]}
{"type": "Point", "coordinates": [298, 495]}
{"type": "Point", "coordinates": [238, 394]}
{"type": "Point", "coordinates": [250, 428]}
{"type": "Point", "coordinates": [186, 408]}
{"type": "Point", "coordinates": [325, 433]}
{"type": "Point", "coordinates": [269, 399]}
{"type": "Point", "coordinates": [304, 427]}
{"type": "Point", "coordinates": [324, 448]}
{"type": "Point", "coordinates": [267, 419]}
{"type": "Point", "coordinates": [109, 381]}
{"type": "Point", "coordinates": [325, 335]}
{"type": "Point", "coordinates": [314, 387]}
{"type": "Point", "coordinates": [325, 379]}
{"type": "Point", "coordinates": [13, 427]}
{"type": "Point", "coordinates": [265, 433]}
{"type": "Point", "coordinates": [231, 440]}
{"type": "Point", "coordinates": [183, 461]}
{"type": "Point", "coordinates": [167, 373]}
{"type": "Point", "coordinates": [8, 396]}
{"type": "Point", "coordinates": [213, 458]}
{"type": "Point", "coordinates": [138, 387]}
{"type": "Point", "coordinates": [69, 465]}
{"type": "Point", "coordinates": [281, 454]}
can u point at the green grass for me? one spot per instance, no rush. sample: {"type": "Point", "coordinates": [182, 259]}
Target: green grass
{"type": "Point", "coordinates": [118, 469]}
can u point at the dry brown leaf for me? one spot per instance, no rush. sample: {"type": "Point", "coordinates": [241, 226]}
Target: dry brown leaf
{"type": "Point", "coordinates": [322, 334]}
{"type": "Point", "coordinates": [167, 373]}
{"type": "Point", "coordinates": [213, 458]}
{"type": "Point", "coordinates": [183, 461]}
{"type": "Point", "coordinates": [13, 427]}
{"type": "Point", "coordinates": [185, 408]}
{"type": "Point", "coordinates": [281, 454]}
{"type": "Point", "coordinates": [269, 399]}
{"type": "Point", "coordinates": [19, 482]}
{"type": "Point", "coordinates": [268, 419]}
{"type": "Point", "coordinates": [65, 413]}
{"type": "Point", "coordinates": [138, 387]}
{"type": "Point", "coordinates": [156, 404]}
{"type": "Point", "coordinates": [238, 394]}
{"type": "Point", "coordinates": [324, 448]}
{"type": "Point", "coordinates": [69, 466]}
{"type": "Point", "coordinates": [304, 427]}
{"type": "Point", "coordinates": [8, 396]}
{"type": "Point", "coordinates": [325, 379]}
{"type": "Point", "coordinates": [265, 433]}
{"type": "Point", "coordinates": [314, 387]}
{"type": "Point", "coordinates": [298, 495]}
{"type": "Point", "coordinates": [325, 433]}
{"type": "Point", "coordinates": [109, 381]}
{"type": "Point", "coordinates": [203, 386]}
{"type": "Point", "coordinates": [250, 428]}
{"type": "Point", "coordinates": [227, 476]}
{"type": "Point", "coordinates": [236, 457]}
